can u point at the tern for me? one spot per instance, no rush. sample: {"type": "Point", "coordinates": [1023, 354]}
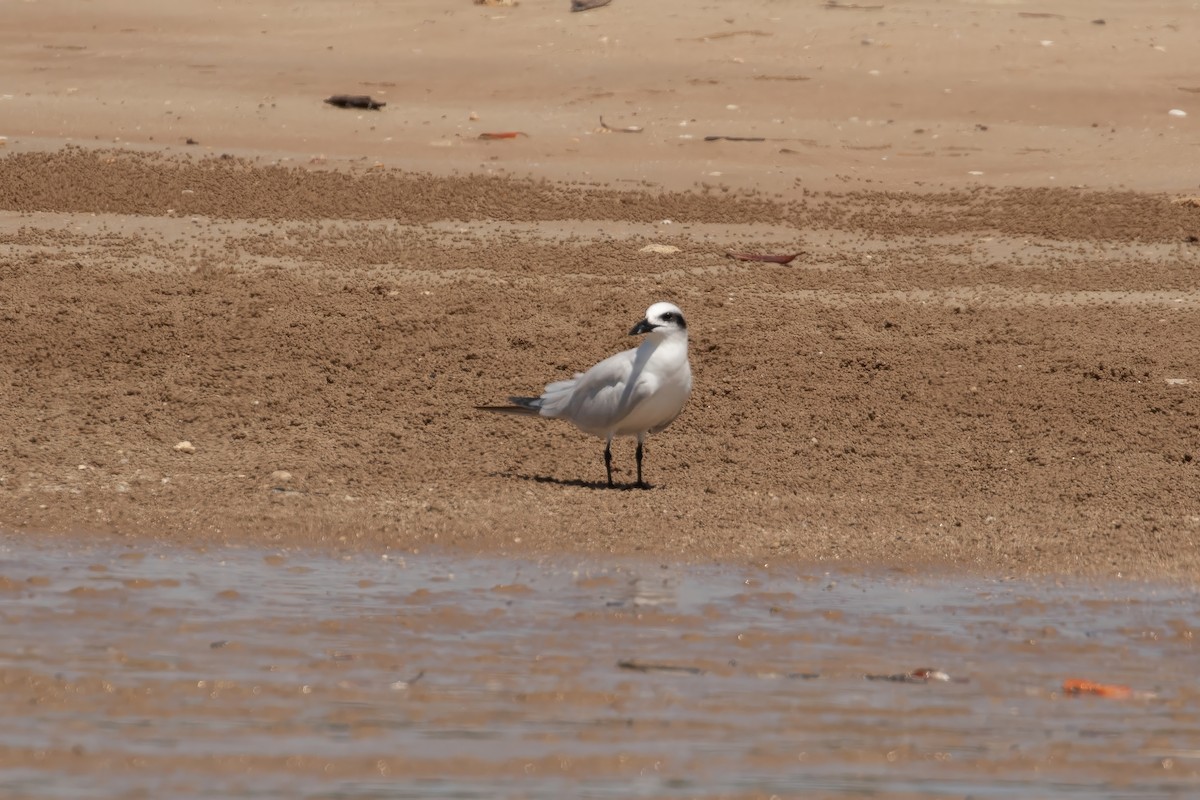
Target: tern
{"type": "Point", "coordinates": [634, 393]}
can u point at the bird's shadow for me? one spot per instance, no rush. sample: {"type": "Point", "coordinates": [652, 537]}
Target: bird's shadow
{"type": "Point", "coordinates": [619, 487]}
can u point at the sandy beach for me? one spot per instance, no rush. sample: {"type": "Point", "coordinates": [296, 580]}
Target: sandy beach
{"type": "Point", "coordinates": [985, 356]}
{"type": "Point", "coordinates": [927, 526]}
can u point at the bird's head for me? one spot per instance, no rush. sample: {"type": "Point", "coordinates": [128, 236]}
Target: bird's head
{"type": "Point", "coordinates": [662, 318]}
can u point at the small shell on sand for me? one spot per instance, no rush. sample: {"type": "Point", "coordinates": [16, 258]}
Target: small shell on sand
{"type": "Point", "coordinates": [185, 447]}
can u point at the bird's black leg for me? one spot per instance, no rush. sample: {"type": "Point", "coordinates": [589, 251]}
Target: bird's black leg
{"type": "Point", "coordinates": [608, 460]}
{"type": "Point", "coordinates": [641, 483]}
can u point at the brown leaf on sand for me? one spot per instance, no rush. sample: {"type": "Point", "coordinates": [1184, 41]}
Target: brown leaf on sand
{"type": "Point", "coordinates": [767, 258]}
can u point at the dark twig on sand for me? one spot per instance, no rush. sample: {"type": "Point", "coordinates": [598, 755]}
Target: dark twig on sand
{"type": "Point", "coordinates": [627, 129]}
{"type": "Point", "coordinates": [355, 101]}
{"type": "Point", "coordinates": [735, 138]}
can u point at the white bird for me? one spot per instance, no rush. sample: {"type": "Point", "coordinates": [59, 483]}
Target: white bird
{"type": "Point", "coordinates": [634, 393]}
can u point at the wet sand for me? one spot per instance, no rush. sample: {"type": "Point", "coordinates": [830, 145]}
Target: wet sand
{"type": "Point", "coordinates": [984, 358]}
{"type": "Point", "coordinates": [147, 671]}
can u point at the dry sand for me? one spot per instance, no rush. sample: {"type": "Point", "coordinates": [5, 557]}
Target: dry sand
{"type": "Point", "coordinates": [986, 356]}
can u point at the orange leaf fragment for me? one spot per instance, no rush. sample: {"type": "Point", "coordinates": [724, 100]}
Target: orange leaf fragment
{"type": "Point", "coordinates": [1110, 690]}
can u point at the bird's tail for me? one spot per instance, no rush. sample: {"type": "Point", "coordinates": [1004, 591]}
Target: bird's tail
{"type": "Point", "coordinates": [528, 406]}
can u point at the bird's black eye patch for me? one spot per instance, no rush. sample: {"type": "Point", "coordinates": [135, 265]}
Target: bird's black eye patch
{"type": "Point", "coordinates": [672, 316]}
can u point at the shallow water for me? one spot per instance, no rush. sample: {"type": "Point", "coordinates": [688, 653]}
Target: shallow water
{"type": "Point", "coordinates": [130, 672]}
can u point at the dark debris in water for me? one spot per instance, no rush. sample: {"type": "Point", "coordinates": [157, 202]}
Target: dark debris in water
{"type": "Point", "coordinates": [922, 675]}
{"type": "Point", "coordinates": [404, 684]}
{"type": "Point", "coordinates": [639, 666]}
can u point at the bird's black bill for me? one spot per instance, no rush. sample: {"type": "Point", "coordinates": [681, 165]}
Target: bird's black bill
{"type": "Point", "coordinates": [642, 327]}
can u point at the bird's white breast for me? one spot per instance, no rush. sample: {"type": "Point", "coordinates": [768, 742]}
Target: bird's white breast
{"type": "Point", "coordinates": [667, 381]}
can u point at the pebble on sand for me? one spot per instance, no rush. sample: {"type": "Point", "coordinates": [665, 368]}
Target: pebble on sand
{"type": "Point", "coordinates": [185, 447]}
{"type": "Point", "coordinates": [281, 476]}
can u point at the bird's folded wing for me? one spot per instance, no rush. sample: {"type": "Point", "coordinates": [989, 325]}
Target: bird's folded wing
{"type": "Point", "coordinates": [602, 397]}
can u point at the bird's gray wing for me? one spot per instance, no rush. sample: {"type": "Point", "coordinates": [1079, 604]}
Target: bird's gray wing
{"type": "Point", "coordinates": [600, 398]}
{"type": "Point", "coordinates": [595, 401]}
